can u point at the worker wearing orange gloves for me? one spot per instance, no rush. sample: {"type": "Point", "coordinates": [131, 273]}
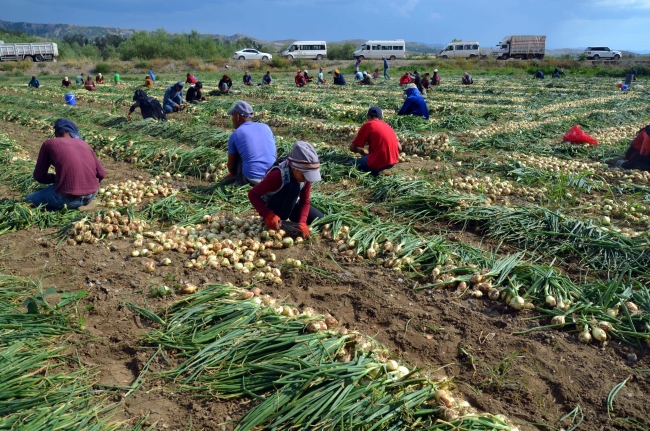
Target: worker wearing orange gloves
{"type": "Point", "coordinates": [284, 193]}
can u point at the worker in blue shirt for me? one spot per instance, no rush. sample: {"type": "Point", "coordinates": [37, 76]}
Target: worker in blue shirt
{"type": "Point", "coordinates": [414, 103]}
{"type": "Point", "coordinates": [539, 74]}
{"type": "Point", "coordinates": [173, 98]}
{"type": "Point", "coordinates": [385, 68]}
{"type": "Point", "coordinates": [248, 79]}
{"type": "Point", "coordinates": [339, 79]}
{"type": "Point", "coordinates": [34, 83]}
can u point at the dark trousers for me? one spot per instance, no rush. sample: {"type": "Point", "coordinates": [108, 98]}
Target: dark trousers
{"type": "Point", "coordinates": [283, 204]}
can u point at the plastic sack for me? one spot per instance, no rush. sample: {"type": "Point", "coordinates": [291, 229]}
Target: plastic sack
{"type": "Point", "coordinates": [577, 136]}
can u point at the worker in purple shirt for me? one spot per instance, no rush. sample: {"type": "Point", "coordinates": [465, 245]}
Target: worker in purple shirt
{"type": "Point", "coordinates": [77, 175]}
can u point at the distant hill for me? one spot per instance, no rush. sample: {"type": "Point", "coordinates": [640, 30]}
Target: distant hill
{"type": "Point", "coordinates": [58, 31]}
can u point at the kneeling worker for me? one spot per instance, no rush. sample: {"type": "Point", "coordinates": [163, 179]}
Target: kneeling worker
{"type": "Point", "coordinates": [173, 98]}
{"type": "Point", "coordinates": [638, 155]}
{"type": "Point", "coordinates": [78, 171]}
{"type": "Point", "coordinates": [251, 147]}
{"type": "Point", "coordinates": [414, 103]}
{"type": "Point", "coordinates": [284, 193]}
{"type": "Point", "coordinates": [194, 94]}
{"type": "Point", "coordinates": [383, 146]}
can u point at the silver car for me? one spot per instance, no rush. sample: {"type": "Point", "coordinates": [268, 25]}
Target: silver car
{"type": "Point", "coordinates": [251, 54]}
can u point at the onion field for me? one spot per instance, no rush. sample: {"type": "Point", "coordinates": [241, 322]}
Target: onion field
{"type": "Point", "coordinates": [497, 278]}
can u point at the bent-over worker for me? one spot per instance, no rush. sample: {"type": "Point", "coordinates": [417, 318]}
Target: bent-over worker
{"type": "Point", "coordinates": [285, 191]}
{"type": "Point", "coordinates": [414, 103]}
{"type": "Point", "coordinates": [467, 79]}
{"type": "Point", "coordinates": [99, 79]}
{"type": "Point", "coordinates": [383, 146]}
{"type": "Point", "coordinates": [77, 175]}
{"type": "Point", "coordinates": [194, 94]}
{"type": "Point", "coordinates": [149, 106]}
{"type": "Point", "coordinates": [34, 83]}
{"type": "Point", "coordinates": [637, 155]}
{"type": "Point", "coordinates": [173, 98]}
{"type": "Point", "coordinates": [251, 147]}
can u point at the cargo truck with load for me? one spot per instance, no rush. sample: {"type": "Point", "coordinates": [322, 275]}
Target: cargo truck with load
{"type": "Point", "coordinates": [523, 47]}
{"type": "Point", "coordinates": [43, 51]}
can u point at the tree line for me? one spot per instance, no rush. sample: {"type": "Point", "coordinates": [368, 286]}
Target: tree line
{"type": "Point", "coordinates": [141, 45]}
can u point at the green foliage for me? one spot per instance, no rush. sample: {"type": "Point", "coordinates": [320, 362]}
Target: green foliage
{"type": "Point", "coordinates": [103, 68]}
{"type": "Point", "coordinates": [160, 44]}
{"type": "Point", "coordinates": [11, 36]}
{"type": "Point", "coordinates": [341, 52]}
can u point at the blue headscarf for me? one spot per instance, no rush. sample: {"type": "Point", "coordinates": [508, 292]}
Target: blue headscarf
{"type": "Point", "coordinates": [65, 125]}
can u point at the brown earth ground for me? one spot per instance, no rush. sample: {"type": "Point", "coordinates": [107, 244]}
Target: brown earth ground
{"type": "Point", "coordinates": [534, 379]}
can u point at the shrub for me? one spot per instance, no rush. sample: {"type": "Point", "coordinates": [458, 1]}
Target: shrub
{"type": "Point", "coordinates": [6, 67]}
{"type": "Point", "coordinates": [103, 68]}
{"type": "Point", "coordinates": [280, 62]}
{"type": "Point", "coordinates": [341, 52]}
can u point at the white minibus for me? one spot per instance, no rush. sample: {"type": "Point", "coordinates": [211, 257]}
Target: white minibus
{"type": "Point", "coordinates": [376, 49]}
{"type": "Point", "coordinates": [462, 49]}
{"type": "Point", "coordinates": [313, 49]}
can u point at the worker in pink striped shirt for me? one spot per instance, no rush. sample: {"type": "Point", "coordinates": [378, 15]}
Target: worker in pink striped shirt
{"type": "Point", "coordinates": [77, 171]}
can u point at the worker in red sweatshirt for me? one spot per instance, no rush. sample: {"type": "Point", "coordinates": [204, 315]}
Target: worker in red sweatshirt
{"type": "Point", "coordinates": [284, 193]}
{"type": "Point", "coordinates": [77, 175]}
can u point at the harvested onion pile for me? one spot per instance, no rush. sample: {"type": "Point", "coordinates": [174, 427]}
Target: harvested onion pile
{"type": "Point", "coordinates": [132, 192]}
{"type": "Point", "coordinates": [111, 225]}
{"type": "Point", "coordinates": [223, 242]}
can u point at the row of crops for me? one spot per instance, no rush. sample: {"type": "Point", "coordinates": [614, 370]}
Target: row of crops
{"type": "Point", "coordinates": [490, 162]}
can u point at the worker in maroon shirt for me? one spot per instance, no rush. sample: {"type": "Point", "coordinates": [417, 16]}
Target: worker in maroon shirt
{"type": "Point", "coordinates": [77, 175]}
{"type": "Point", "coordinates": [383, 147]}
{"type": "Point", "coordinates": [284, 193]}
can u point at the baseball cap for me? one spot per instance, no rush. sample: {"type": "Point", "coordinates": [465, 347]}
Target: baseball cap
{"type": "Point", "coordinates": [303, 158]}
{"type": "Point", "coordinates": [409, 86]}
{"type": "Point", "coordinates": [375, 111]}
{"type": "Point", "coordinates": [241, 108]}
{"type": "Point", "coordinates": [337, 71]}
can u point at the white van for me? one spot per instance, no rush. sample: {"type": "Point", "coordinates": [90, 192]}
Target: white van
{"type": "Point", "coordinates": [461, 49]}
{"type": "Point", "coordinates": [376, 49]}
{"type": "Point", "coordinates": [315, 49]}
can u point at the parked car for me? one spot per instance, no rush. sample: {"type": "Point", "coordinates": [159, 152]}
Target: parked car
{"type": "Point", "coordinates": [251, 54]}
{"type": "Point", "coordinates": [602, 52]}
{"type": "Point", "coordinates": [461, 49]}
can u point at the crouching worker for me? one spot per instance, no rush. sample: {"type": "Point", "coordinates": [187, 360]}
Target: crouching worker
{"type": "Point", "coordinates": [78, 171]}
{"type": "Point", "coordinates": [194, 94]}
{"type": "Point", "coordinates": [149, 106]}
{"type": "Point", "coordinates": [383, 146]}
{"type": "Point", "coordinates": [173, 98]}
{"type": "Point", "coordinates": [284, 193]}
{"type": "Point", "coordinates": [251, 147]}
{"type": "Point", "coordinates": [638, 155]}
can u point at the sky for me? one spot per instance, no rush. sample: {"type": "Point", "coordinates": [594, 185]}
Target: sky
{"type": "Point", "coordinates": [619, 24]}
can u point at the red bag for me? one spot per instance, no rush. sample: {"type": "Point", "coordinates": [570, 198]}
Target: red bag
{"type": "Point", "coordinates": [577, 136]}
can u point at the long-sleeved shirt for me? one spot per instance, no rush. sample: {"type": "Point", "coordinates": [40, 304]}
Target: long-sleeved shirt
{"type": "Point", "coordinates": [248, 79]}
{"type": "Point", "coordinates": [339, 79]}
{"type": "Point", "coordinates": [414, 104]}
{"type": "Point", "coordinates": [266, 79]}
{"type": "Point", "coordinates": [173, 96]}
{"type": "Point", "coordinates": [193, 94]}
{"type": "Point", "coordinates": [78, 170]}
{"type": "Point", "coordinates": [271, 183]}
{"type": "Point", "coordinates": [34, 83]}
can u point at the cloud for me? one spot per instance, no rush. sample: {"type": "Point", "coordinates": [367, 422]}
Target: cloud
{"type": "Point", "coordinates": [406, 8]}
{"type": "Point", "coordinates": [624, 4]}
